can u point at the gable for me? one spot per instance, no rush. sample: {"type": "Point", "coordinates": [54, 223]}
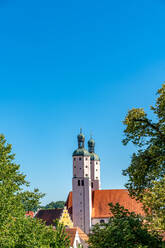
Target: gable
{"type": "Point", "coordinates": [65, 218]}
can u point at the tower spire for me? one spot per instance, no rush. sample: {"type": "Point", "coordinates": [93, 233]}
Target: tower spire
{"type": "Point", "coordinates": [81, 139]}
{"type": "Point", "coordinates": [91, 145]}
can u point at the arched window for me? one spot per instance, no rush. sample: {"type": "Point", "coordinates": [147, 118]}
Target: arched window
{"type": "Point", "coordinates": [78, 182]}
{"type": "Point", "coordinates": [82, 182]}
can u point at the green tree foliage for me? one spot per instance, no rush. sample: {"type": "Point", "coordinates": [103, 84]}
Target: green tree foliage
{"type": "Point", "coordinates": [125, 229]}
{"type": "Point", "coordinates": [16, 230]}
{"type": "Point", "coordinates": [31, 200]}
{"type": "Point", "coordinates": [62, 239]}
{"type": "Point", "coordinates": [147, 169]}
{"type": "Point", "coordinates": [52, 205]}
{"type": "Point", "coordinates": [154, 203]}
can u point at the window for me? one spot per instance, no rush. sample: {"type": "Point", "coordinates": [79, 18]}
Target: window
{"type": "Point", "coordinates": [80, 168]}
{"type": "Point", "coordinates": [78, 182]}
{"type": "Point", "coordinates": [102, 221]}
{"type": "Point", "coordinates": [96, 177]}
{"type": "Point", "coordinates": [96, 163]}
{"type": "Point", "coordinates": [86, 158]}
{"type": "Point", "coordinates": [80, 210]}
{"type": "Point", "coordinates": [86, 166]}
{"type": "Point", "coordinates": [96, 169]}
{"type": "Point", "coordinates": [86, 175]}
{"type": "Point", "coordinates": [79, 158]}
{"type": "Point", "coordinates": [92, 185]}
{"type": "Point", "coordinates": [82, 182]}
{"type": "Point", "coordinates": [74, 159]}
{"type": "Point", "coordinates": [74, 166]}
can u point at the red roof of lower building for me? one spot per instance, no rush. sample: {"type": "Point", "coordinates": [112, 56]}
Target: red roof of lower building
{"type": "Point", "coordinates": [72, 232]}
{"type": "Point", "coordinates": [101, 199]}
{"type": "Point", "coordinates": [49, 215]}
{"type": "Point", "coordinates": [29, 213]}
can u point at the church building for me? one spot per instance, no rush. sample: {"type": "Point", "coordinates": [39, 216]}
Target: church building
{"type": "Point", "coordinates": [87, 203]}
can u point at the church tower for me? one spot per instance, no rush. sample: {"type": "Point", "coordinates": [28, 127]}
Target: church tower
{"type": "Point", "coordinates": [81, 186]}
{"type": "Point", "coordinates": [95, 165]}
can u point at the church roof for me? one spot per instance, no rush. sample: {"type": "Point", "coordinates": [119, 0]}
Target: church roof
{"type": "Point", "coordinates": [101, 198]}
{"type": "Point", "coordinates": [94, 156]}
{"type": "Point", "coordinates": [81, 152]}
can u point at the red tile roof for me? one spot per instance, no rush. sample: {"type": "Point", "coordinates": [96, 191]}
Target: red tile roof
{"type": "Point", "coordinates": [29, 213]}
{"type": "Point", "coordinates": [72, 232]}
{"type": "Point", "coordinates": [101, 198]}
{"type": "Point", "coordinates": [68, 203]}
{"type": "Point", "coordinates": [82, 235]}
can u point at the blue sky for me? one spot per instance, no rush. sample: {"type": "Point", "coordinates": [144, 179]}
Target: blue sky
{"type": "Point", "coordinates": [71, 64]}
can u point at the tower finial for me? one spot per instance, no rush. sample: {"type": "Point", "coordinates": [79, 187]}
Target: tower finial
{"type": "Point", "coordinates": [81, 139]}
{"type": "Point", "coordinates": [91, 135]}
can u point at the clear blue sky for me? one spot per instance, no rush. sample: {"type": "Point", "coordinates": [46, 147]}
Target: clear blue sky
{"type": "Point", "coordinates": [71, 64]}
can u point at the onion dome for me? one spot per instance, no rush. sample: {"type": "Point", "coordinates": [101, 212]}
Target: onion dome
{"type": "Point", "coordinates": [91, 145]}
{"type": "Point", "coordinates": [81, 151]}
{"type": "Point", "coordinates": [91, 149]}
{"type": "Point", "coordinates": [94, 157]}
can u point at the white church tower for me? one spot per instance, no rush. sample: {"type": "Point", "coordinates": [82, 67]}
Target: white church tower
{"type": "Point", "coordinates": [81, 187]}
{"type": "Point", "coordinates": [95, 165]}
{"type": "Point", "coordinates": [86, 177]}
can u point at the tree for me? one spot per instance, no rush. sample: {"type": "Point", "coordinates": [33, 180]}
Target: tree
{"type": "Point", "coordinates": [125, 229]}
{"type": "Point", "coordinates": [62, 239]}
{"type": "Point", "coordinates": [52, 205]}
{"type": "Point", "coordinates": [16, 230]}
{"type": "Point", "coordinates": [154, 204]}
{"type": "Point", "coordinates": [147, 169]}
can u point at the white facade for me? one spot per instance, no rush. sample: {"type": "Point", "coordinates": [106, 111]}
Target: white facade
{"type": "Point", "coordinates": [95, 174]}
{"type": "Point", "coordinates": [86, 177]}
{"type": "Point", "coordinates": [99, 221]}
{"type": "Point", "coordinates": [78, 242]}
